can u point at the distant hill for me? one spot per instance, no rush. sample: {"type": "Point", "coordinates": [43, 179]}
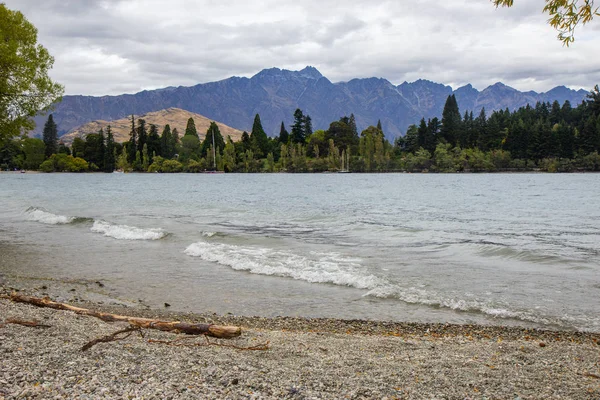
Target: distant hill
{"type": "Point", "coordinates": [175, 117]}
{"type": "Point", "coordinates": [275, 94]}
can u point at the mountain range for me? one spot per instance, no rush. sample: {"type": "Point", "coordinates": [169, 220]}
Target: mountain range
{"type": "Point", "coordinates": [275, 93]}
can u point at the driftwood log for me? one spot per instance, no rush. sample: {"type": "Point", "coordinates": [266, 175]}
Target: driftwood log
{"type": "Point", "coordinates": [218, 331]}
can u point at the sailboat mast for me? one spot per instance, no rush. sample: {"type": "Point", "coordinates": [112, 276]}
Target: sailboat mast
{"type": "Point", "coordinates": [214, 151]}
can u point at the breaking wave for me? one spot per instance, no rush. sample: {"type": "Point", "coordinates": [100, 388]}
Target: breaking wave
{"type": "Point", "coordinates": [430, 298]}
{"type": "Point", "coordinates": [314, 267]}
{"type": "Point", "coordinates": [124, 232]}
{"type": "Point", "coordinates": [337, 269]}
{"type": "Point", "coordinates": [45, 217]}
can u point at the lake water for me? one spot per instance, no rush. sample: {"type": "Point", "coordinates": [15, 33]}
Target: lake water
{"type": "Point", "coordinates": [513, 249]}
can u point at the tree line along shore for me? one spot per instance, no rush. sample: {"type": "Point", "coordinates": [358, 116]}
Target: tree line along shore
{"type": "Point", "coordinates": [546, 137]}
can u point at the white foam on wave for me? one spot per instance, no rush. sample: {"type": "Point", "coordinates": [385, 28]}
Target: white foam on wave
{"type": "Point", "coordinates": [124, 232]}
{"type": "Point", "coordinates": [414, 295]}
{"type": "Point", "coordinates": [45, 217]}
{"type": "Point", "coordinates": [314, 267]}
{"type": "Point", "coordinates": [209, 234]}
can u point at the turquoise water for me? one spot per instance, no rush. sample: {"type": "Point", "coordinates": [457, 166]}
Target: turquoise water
{"type": "Point", "coordinates": [509, 249]}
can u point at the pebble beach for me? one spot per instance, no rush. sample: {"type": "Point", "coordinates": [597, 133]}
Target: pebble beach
{"type": "Point", "coordinates": [274, 358]}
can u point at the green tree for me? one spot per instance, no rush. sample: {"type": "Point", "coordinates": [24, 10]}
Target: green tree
{"type": "Point", "coordinates": [565, 15]}
{"type": "Point", "coordinates": [269, 163]}
{"type": "Point", "coordinates": [145, 158]}
{"type": "Point", "coordinates": [137, 163]}
{"type": "Point", "coordinates": [64, 163]}
{"type": "Point", "coordinates": [109, 152]}
{"type": "Point", "coordinates": [132, 145]}
{"type": "Point", "coordinates": [95, 149]}
{"type": "Point", "coordinates": [153, 142]}
{"type": "Point", "coordinates": [175, 140]}
{"type": "Point", "coordinates": [25, 87]}
{"type": "Point", "coordinates": [244, 143]}
{"type": "Point", "coordinates": [589, 137]}
{"type": "Point", "coordinates": [308, 129]}
{"type": "Point", "coordinates": [78, 147]}
{"type": "Point", "coordinates": [63, 149]}
{"type": "Point", "coordinates": [419, 161]}
{"type": "Point", "coordinates": [284, 135]}
{"type": "Point", "coordinates": [367, 147]}
{"type": "Point", "coordinates": [229, 156]}
{"type": "Point", "coordinates": [298, 134]}
{"type": "Point", "coordinates": [443, 159]}
{"type": "Point", "coordinates": [451, 121]}
{"type": "Point", "coordinates": [170, 166]}
{"type": "Point", "coordinates": [190, 148]}
{"type": "Point", "coordinates": [50, 137]}
{"type": "Point", "coordinates": [317, 143]}
{"type": "Point", "coordinates": [213, 135]}
{"type": "Point", "coordinates": [34, 151]}
{"type": "Point", "coordinates": [593, 101]}
{"type": "Point", "coordinates": [433, 134]}
{"type": "Point", "coordinates": [352, 124]}
{"type": "Point", "coordinates": [167, 143]}
{"type": "Point", "coordinates": [190, 129]}
{"type": "Point", "coordinates": [122, 162]}
{"type": "Point", "coordinates": [342, 134]}
{"type": "Point", "coordinates": [467, 136]}
{"type": "Point", "coordinates": [411, 142]}
{"type": "Point", "coordinates": [259, 139]}
{"type": "Point", "coordinates": [142, 134]}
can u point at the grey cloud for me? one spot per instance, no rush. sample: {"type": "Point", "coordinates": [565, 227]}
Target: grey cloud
{"type": "Point", "coordinates": [111, 46]}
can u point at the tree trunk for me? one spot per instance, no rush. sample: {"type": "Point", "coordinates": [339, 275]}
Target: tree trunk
{"type": "Point", "coordinates": [218, 331]}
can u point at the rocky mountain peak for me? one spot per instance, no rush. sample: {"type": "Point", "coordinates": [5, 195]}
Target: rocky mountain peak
{"type": "Point", "coordinates": [275, 93]}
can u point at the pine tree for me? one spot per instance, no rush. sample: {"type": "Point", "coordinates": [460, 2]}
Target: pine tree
{"type": "Point", "coordinates": [190, 128]}
{"type": "Point", "coordinates": [566, 138]}
{"type": "Point", "coordinates": [259, 139]}
{"type": "Point", "coordinates": [175, 139]}
{"type": "Point", "coordinates": [422, 139]}
{"type": "Point", "coordinates": [153, 142]}
{"type": "Point", "coordinates": [50, 137]}
{"type": "Point", "coordinates": [145, 158]}
{"type": "Point", "coordinates": [451, 121]}
{"type": "Point", "coordinates": [284, 136]}
{"type": "Point", "coordinates": [132, 145]}
{"type": "Point", "coordinates": [212, 132]}
{"type": "Point", "coordinates": [142, 134]}
{"type": "Point", "coordinates": [94, 149]}
{"type": "Point", "coordinates": [166, 148]}
{"type": "Point", "coordinates": [298, 134]}
{"type": "Point", "coordinates": [352, 124]}
{"type": "Point", "coordinates": [433, 133]}
{"type": "Point", "coordinates": [480, 127]}
{"type": "Point", "coordinates": [308, 129]}
{"type": "Point", "coordinates": [78, 147]}
{"type": "Point", "coordinates": [589, 137]}
{"type": "Point", "coordinates": [245, 142]}
{"type": "Point", "coordinates": [109, 152]}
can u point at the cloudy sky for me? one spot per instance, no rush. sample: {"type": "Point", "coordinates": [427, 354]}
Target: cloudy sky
{"type": "Point", "coordinates": [124, 46]}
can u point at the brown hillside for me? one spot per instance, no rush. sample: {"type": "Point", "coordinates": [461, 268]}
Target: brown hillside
{"type": "Point", "coordinates": [175, 117]}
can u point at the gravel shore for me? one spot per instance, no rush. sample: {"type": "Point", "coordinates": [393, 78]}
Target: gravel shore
{"type": "Point", "coordinates": [305, 359]}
